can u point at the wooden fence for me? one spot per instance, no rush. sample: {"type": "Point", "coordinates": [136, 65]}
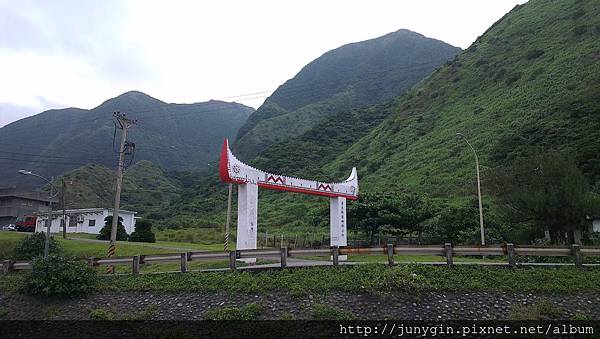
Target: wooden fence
{"type": "Point", "coordinates": [448, 251]}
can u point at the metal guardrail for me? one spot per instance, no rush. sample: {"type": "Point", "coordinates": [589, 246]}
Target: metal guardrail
{"type": "Point", "coordinates": [447, 250]}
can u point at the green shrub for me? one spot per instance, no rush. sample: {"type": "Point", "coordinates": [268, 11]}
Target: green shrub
{"type": "Point", "coordinates": [59, 276]}
{"type": "Point", "coordinates": [581, 317]}
{"type": "Point", "coordinates": [326, 312]}
{"type": "Point", "coordinates": [248, 312]}
{"type": "Point", "coordinates": [105, 231]}
{"type": "Point", "coordinates": [143, 232]}
{"type": "Point", "coordinates": [534, 54]}
{"type": "Point", "coordinates": [541, 310]}
{"type": "Point", "coordinates": [579, 30]}
{"type": "Point", "coordinates": [33, 246]}
{"type": "Point", "coordinates": [103, 314]}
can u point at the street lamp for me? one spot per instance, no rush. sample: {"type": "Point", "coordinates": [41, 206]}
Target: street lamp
{"type": "Point", "coordinates": [49, 219]}
{"type": "Point", "coordinates": [462, 136]}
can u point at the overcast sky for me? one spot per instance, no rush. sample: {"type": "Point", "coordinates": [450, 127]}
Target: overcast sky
{"type": "Point", "coordinates": [64, 53]}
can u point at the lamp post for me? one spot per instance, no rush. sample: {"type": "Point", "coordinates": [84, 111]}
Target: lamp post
{"type": "Point", "coordinates": [49, 219]}
{"type": "Point", "coordinates": [462, 136]}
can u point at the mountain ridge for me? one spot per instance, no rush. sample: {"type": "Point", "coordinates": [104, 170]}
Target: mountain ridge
{"type": "Point", "coordinates": [351, 76]}
{"type": "Point", "coordinates": [176, 136]}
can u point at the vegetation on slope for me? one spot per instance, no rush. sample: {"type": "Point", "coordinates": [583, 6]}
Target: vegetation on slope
{"type": "Point", "coordinates": [529, 85]}
{"type": "Point", "coordinates": [173, 136]}
{"type": "Point", "coordinates": [147, 189]}
{"type": "Point", "coordinates": [354, 75]}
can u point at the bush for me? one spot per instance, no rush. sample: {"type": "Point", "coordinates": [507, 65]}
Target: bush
{"type": "Point", "coordinates": [103, 314]}
{"type": "Point", "coordinates": [579, 30]}
{"type": "Point", "coordinates": [458, 225]}
{"type": "Point", "coordinates": [105, 231]}
{"type": "Point", "coordinates": [33, 246]}
{"type": "Point", "coordinates": [143, 232]}
{"type": "Point", "coordinates": [60, 276]}
{"type": "Point", "coordinates": [326, 312]}
{"type": "Point", "coordinates": [534, 54]}
{"type": "Point", "coordinates": [249, 312]}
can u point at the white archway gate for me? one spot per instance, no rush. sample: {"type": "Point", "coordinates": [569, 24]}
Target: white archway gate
{"type": "Point", "coordinates": [250, 179]}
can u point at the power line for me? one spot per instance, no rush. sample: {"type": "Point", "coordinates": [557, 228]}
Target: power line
{"type": "Point", "coordinates": [164, 108]}
{"type": "Point", "coordinates": [290, 91]}
{"type": "Point", "coordinates": [53, 156]}
{"type": "Point", "coordinates": [44, 162]}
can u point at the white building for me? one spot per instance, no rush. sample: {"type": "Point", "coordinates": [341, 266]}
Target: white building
{"type": "Point", "coordinates": [85, 220]}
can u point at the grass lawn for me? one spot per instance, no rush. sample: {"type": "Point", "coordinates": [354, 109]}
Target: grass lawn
{"type": "Point", "coordinates": [166, 243]}
{"type": "Point", "coordinates": [8, 241]}
{"type": "Point", "coordinates": [85, 249]}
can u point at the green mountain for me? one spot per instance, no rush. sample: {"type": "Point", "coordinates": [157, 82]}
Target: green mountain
{"type": "Point", "coordinates": [530, 84]}
{"type": "Point", "coordinates": [173, 136]}
{"type": "Point", "coordinates": [147, 189]}
{"type": "Point", "coordinates": [355, 75]}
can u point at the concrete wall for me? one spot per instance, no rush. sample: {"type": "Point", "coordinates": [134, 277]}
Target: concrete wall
{"type": "Point", "coordinates": [13, 207]}
{"type": "Point", "coordinates": [97, 218]}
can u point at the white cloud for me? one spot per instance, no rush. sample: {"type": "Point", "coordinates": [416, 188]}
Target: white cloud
{"type": "Point", "coordinates": [81, 52]}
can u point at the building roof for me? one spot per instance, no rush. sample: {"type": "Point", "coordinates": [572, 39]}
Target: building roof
{"type": "Point", "coordinates": [85, 210]}
{"type": "Point", "coordinates": [31, 195]}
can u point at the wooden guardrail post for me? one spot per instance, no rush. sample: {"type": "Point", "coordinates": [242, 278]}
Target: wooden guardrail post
{"type": "Point", "coordinates": [284, 253]}
{"type": "Point", "coordinates": [184, 262]}
{"type": "Point", "coordinates": [232, 260]}
{"type": "Point", "coordinates": [448, 251]}
{"type": "Point", "coordinates": [335, 252]}
{"type": "Point", "coordinates": [390, 254]}
{"type": "Point", "coordinates": [576, 248]}
{"type": "Point", "coordinates": [510, 253]}
{"type": "Point", "coordinates": [135, 269]}
{"type": "Point", "coordinates": [91, 261]}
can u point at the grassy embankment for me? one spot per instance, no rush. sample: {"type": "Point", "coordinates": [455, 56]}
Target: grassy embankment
{"type": "Point", "coordinates": [371, 278]}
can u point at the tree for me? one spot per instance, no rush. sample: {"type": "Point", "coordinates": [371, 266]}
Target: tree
{"type": "Point", "coordinates": [396, 214]}
{"type": "Point", "coordinates": [105, 231]}
{"type": "Point", "coordinates": [456, 225]}
{"type": "Point", "coordinates": [143, 232]}
{"type": "Point", "coordinates": [548, 191]}
{"type": "Point", "coordinates": [406, 214]}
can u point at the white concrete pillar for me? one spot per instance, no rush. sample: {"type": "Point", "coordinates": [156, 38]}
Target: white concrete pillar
{"type": "Point", "coordinates": [338, 223]}
{"type": "Point", "coordinates": [247, 216]}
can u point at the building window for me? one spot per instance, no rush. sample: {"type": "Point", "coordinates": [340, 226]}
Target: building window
{"type": "Point", "coordinates": [92, 223]}
{"type": "Point", "coordinates": [73, 221]}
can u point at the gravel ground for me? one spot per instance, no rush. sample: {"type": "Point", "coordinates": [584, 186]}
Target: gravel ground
{"type": "Point", "coordinates": [430, 306]}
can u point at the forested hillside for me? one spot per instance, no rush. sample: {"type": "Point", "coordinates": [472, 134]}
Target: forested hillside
{"type": "Point", "coordinates": [173, 136]}
{"type": "Point", "coordinates": [355, 75]}
{"type": "Point", "coordinates": [528, 86]}
{"type": "Point", "coordinates": [147, 189]}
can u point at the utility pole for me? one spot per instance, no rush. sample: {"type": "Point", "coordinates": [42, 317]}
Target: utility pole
{"type": "Point", "coordinates": [226, 244]}
{"type": "Point", "coordinates": [462, 136]}
{"type": "Point", "coordinates": [48, 221]}
{"type": "Point", "coordinates": [124, 124]}
{"type": "Point", "coordinates": [63, 203]}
